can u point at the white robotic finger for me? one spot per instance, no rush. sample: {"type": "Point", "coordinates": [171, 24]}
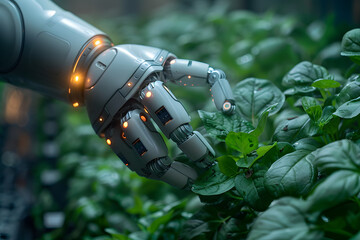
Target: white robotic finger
{"type": "Point", "coordinates": [192, 73]}
{"type": "Point", "coordinates": [135, 137]}
{"type": "Point", "coordinates": [173, 120]}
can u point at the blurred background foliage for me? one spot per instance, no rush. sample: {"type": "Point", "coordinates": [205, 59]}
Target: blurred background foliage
{"type": "Point", "coordinates": [80, 190]}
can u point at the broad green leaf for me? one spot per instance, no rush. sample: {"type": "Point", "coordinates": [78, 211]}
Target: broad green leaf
{"type": "Point", "coordinates": [304, 74]}
{"type": "Point", "coordinates": [116, 235]}
{"type": "Point", "coordinates": [283, 222]}
{"type": "Point", "coordinates": [312, 108]}
{"type": "Point", "coordinates": [285, 148]}
{"type": "Point", "coordinates": [195, 228]}
{"type": "Point", "coordinates": [351, 43]}
{"type": "Point", "coordinates": [160, 221]}
{"type": "Point", "coordinates": [227, 165]}
{"type": "Point", "coordinates": [339, 155]}
{"type": "Point", "coordinates": [294, 129]}
{"type": "Point", "coordinates": [261, 125]}
{"type": "Point", "coordinates": [254, 96]}
{"type": "Point", "coordinates": [232, 229]}
{"type": "Point", "coordinates": [326, 83]}
{"type": "Point", "coordinates": [242, 142]}
{"type": "Point", "coordinates": [301, 90]}
{"type": "Point", "coordinates": [250, 185]}
{"type": "Point", "coordinates": [213, 183]}
{"type": "Point", "coordinates": [349, 92]}
{"type": "Point", "coordinates": [349, 109]}
{"type": "Point", "coordinates": [292, 175]}
{"type": "Point", "coordinates": [218, 125]}
{"type": "Point", "coordinates": [308, 144]}
{"type": "Point", "coordinates": [261, 151]}
{"type": "Point", "coordinates": [335, 189]}
{"type": "Point", "coordinates": [327, 115]}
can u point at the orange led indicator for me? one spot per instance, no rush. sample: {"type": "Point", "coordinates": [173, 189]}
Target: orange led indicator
{"type": "Point", "coordinates": [146, 110]}
{"type": "Point", "coordinates": [129, 84]}
{"type": "Point", "coordinates": [123, 135]}
{"type": "Point", "coordinates": [143, 118]}
{"type": "Point", "coordinates": [189, 77]}
{"type": "Point", "coordinates": [148, 94]}
{"type": "Point", "coordinates": [125, 124]}
{"type": "Point", "coordinates": [101, 119]}
{"type": "Point", "coordinates": [108, 141]}
{"type": "Point", "coordinates": [69, 90]}
{"type": "Point", "coordinates": [77, 78]}
{"type": "Point", "coordinates": [227, 106]}
{"type": "Point", "coordinates": [127, 164]}
{"type": "Point", "coordinates": [75, 104]}
{"type": "Point", "coordinates": [97, 42]}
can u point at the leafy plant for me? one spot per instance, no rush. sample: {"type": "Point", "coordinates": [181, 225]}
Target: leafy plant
{"type": "Point", "coordinates": [308, 172]}
{"type": "Point", "coordinates": [288, 159]}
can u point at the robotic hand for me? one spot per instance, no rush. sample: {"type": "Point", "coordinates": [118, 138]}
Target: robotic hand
{"type": "Point", "coordinates": [123, 87]}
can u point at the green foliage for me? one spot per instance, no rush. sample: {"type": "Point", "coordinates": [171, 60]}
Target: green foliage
{"type": "Point", "coordinates": [287, 160]}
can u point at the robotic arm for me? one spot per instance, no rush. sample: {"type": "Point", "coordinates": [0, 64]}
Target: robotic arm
{"type": "Point", "coordinates": [53, 52]}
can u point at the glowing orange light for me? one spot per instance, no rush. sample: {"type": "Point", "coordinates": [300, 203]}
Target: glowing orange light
{"type": "Point", "coordinates": [129, 84]}
{"type": "Point", "coordinates": [77, 78]}
{"type": "Point", "coordinates": [75, 104]}
{"type": "Point", "coordinates": [127, 164]}
{"type": "Point", "coordinates": [226, 106]}
{"type": "Point", "coordinates": [101, 119]}
{"type": "Point", "coordinates": [189, 77]}
{"type": "Point", "coordinates": [146, 110]}
{"type": "Point", "coordinates": [148, 94]}
{"type": "Point", "coordinates": [143, 118]}
{"type": "Point", "coordinates": [123, 136]}
{"type": "Point", "coordinates": [125, 124]}
{"type": "Point", "coordinates": [108, 141]}
{"type": "Point", "coordinates": [69, 90]}
{"type": "Point", "coordinates": [97, 42]}
{"type": "Point", "coordinates": [173, 61]}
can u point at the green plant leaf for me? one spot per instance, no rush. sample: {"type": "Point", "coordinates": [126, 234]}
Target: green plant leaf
{"type": "Point", "coordinates": [283, 222]}
{"type": "Point", "coordinates": [195, 228]}
{"type": "Point", "coordinates": [213, 183]}
{"type": "Point", "coordinates": [250, 185]}
{"type": "Point", "coordinates": [218, 125]}
{"type": "Point", "coordinates": [227, 165]}
{"type": "Point", "coordinates": [351, 43]}
{"type": "Point", "coordinates": [160, 221]}
{"type": "Point", "coordinates": [349, 92]}
{"type": "Point", "coordinates": [116, 235]}
{"type": "Point", "coordinates": [294, 129]}
{"type": "Point", "coordinates": [261, 151]}
{"type": "Point", "coordinates": [254, 96]}
{"type": "Point", "coordinates": [308, 144]}
{"type": "Point", "coordinates": [301, 90]}
{"type": "Point", "coordinates": [292, 175]}
{"type": "Point", "coordinates": [336, 188]}
{"type": "Point", "coordinates": [261, 125]}
{"type": "Point", "coordinates": [312, 108]}
{"type": "Point", "coordinates": [339, 155]}
{"type": "Point", "coordinates": [349, 109]}
{"type": "Point", "coordinates": [304, 74]}
{"type": "Point", "coordinates": [242, 142]}
{"type": "Point", "coordinates": [326, 83]}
